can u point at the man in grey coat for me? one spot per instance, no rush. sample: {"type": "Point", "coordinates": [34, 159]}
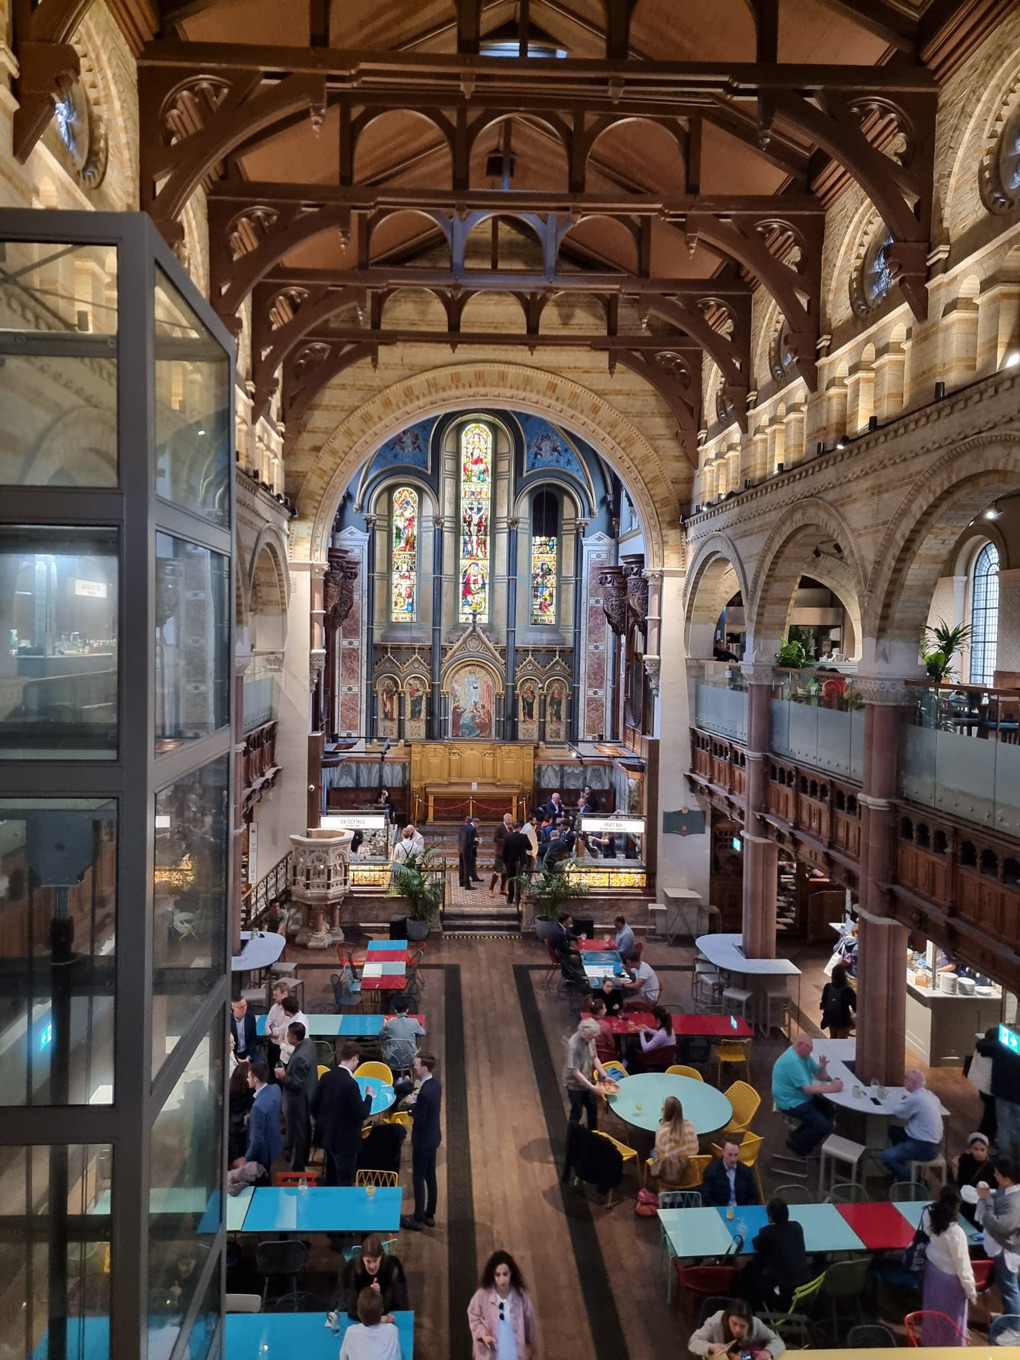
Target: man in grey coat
{"type": "Point", "coordinates": [998, 1213]}
{"type": "Point", "coordinates": [298, 1081]}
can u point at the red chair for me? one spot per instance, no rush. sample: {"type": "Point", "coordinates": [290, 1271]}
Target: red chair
{"type": "Point", "coordinates": [657, 1060]}
{"type": "Point", "coordinates": [928, 1328]}
{"type": "Point", "coordinates": [984, 1274]}
{"type": "Point", "coordinates": [701, 1282]}
{"type": "Point", "coordinates": [296, 1177]}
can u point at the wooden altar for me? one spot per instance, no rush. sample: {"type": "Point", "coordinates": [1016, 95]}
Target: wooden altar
{"type": "Point", "coordinates": [458, 779]}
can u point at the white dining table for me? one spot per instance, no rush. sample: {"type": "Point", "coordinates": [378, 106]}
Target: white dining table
{"type": "Point", "coordinates": [725, 951]}
{"type": "Point", "coordinates": [259, 949]}
{"type": "Point", "coordinates": [877, 1110]}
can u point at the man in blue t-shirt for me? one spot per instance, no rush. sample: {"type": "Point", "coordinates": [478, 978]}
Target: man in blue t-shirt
{"type": "Point", "coordinates": [798, 1083]}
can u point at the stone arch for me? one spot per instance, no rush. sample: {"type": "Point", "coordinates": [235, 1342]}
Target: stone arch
{"type": "Point", "coordinates": [498, 385]}
{"type": "Point", "coordinates": [930, 518]}
{"type": "Point", "coordinates": [715, 576]}
{"type": "Point", "coordinates": [785, 557]}
{"type": "Point", "coordinates": [268, 592]}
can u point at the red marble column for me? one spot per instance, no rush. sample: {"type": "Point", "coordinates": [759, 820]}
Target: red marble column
{"type": "Point", "coordinates": [882, 941]}
{"type": "Point", "coordinates": [758, 914]}
{"type": "Point", "coordinates": [237, 819]}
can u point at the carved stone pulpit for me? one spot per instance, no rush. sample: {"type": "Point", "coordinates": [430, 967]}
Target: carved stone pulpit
{"type": "Point", "coordinates": [319, 882]}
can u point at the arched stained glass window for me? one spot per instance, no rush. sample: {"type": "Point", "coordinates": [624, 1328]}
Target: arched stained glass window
{"type": "Point", "coordinates": [475, 503]}
{"type": "Point", "coordinates": [984, 616]}
{"type": "Point", "coordinates": [544, 543]}
{"type": "Point", "coordinates": [404, 558]}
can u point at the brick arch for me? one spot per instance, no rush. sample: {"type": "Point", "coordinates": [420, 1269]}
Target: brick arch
{"type": "Point", "coordinates": [785, 557]}
{"type": "Point", "coordinates": [716, 574]}
{"type": "Point", "coordinates": [455, 386]}
{"type": "Point", "coordinates": [934, 512]}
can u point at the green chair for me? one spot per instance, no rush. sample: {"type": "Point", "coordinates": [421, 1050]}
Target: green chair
{"type": "Point", "coordinates": [794, 1194]}
{"type": "Point", "coordinates": [844, 1287]}
{"type": "Point", "coordinates": [909, 1192]}
{"type": "Point", "coordinates": [846, 1193]}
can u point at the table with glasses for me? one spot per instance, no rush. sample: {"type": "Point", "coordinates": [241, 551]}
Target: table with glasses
{"type": "Point", "coordinates": [249, 1336]}
{"type": "Point", "coordinates": [640, 1099]}
{"type": "Point", "coordinates": [322, 1208]}
{"type": "Point", "coordinates": [388, 975]}
{"type": "Point", "coordinates": [875, 1110]}
{"type": "Point", "coordinates": [259, 949]}
{"type": "Point", "coordinates": [388, 951]}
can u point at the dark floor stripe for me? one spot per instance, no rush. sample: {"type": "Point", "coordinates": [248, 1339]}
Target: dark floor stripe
{"type": "Point", "coordinates": [461, 1251]}
{"type": "Point", "coordinates": [593, 1276]}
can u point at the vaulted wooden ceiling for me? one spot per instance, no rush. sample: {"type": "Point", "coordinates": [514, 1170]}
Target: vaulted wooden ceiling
{"type": "Point", "coordinates": [664, 159]}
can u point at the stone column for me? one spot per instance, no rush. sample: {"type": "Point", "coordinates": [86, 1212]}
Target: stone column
{"type": "Point", "coordinates": [576, 706]}
{"type": "Point", "coordinates": [237, 884]}
{"type": "Point", "coordinates": [510, 710]}
{"type": "Point", "coordinates": [370, 724]}
{"type": "Point", "coordinates": [882, 941]}
{"type": "Point", "coordinates": [435, 727]}
{"type": "Point", "coordinates": [761, 854]}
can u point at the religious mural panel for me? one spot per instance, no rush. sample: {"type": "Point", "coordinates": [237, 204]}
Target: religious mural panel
{"type": "Point", "coordinates": [527, 710]}
{"type": "Point", "coordinates": [409, 448]}
{"type": "Point", "coordinates": [415, 691]}
{"type": "Point", "coordinates": [404, 559]}
{"type": "Point", "coordinates": [543, 580]}
{"type": "Point", "coordinates": [475, 503]}
{"type": "Point", "coordinates": [556, 710]}
{"type": "Point", "coordinates": [546, 447]}
{"type": "Point", "coordinates": [389, 707]}
{"type": "Point", "coordinates": [472, 703]}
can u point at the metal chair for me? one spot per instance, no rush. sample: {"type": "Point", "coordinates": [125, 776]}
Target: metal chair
{"type": "Point", "coordinates": [349, 1253]}
{"type": "Point", "coordinates": [735, 1052]}
{"type": "Point", "coordinates": [298, 1302]}
{"type": "Point", "coordinates": [283, 1260]}
{"type": "Point", "coordinates": [346, 990]}
{"type": "Point", "coordinates": [786, 1163]}
{"type": "Point", "coordinates": [375, 1178]}
{"type": "Point", "coordinates": [794, 1194]}
{"type": "Point", "coordinates": [908, 1192]}
{"type": "Point", "coordinates": [380, 1071]}
{"type": "Point", "coordinates": [844, 1285]}
{"type": "Point", "coordinates": [745, 1101]}
{"type": "Point", "coordinates": [928, 1328]}
{"type": "Point", "coordinates": [713, 1304]}
{"type": "Point", "coordinates": [694, 1173]}
{"type": "Point", "coordinates": [847, 1193]}
{"type": "Point", "coordinates": [284, 1178]}
{"type": "Point", "coordinates": [869, 1335]}
{"type": "Point", "coordinates": [679, 1199]}
{"type": "Point", "coordinates": [679, 1070]}
{"type": "Point", "coordinates": [704, 1282]}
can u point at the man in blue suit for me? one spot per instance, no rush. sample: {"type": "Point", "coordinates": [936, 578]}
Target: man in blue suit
{"type": "Point", "coordinates": [264, 1137]}
{"type": "Point", "coordinates": [244, 1028]}
{"type": "Point", "coordinates": [426, 1137]}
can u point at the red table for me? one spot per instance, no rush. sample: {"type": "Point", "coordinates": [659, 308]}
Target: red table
{"type": "Point", "coordinates": [608, 943]}
{"type": "Point", "coordinates": [627, 1024]}
{"type": "Point", "coordinates": [712, 1027]}
{"type": "Point", "coordinates": [387, 956]}
{"type": "Point", "coordinates": [389, 982]}
{"type": "Point", "coordinates": [881, 1227]}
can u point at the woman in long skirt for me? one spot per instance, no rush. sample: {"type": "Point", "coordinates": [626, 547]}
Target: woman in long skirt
{"type": "Point", "coordinates": [948, 1276]}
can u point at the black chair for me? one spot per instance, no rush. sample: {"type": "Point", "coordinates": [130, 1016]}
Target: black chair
{"type": "Point", "coordinates": [284, 1260]}
{"type": "Point", "coordinates": [299, 1302]}
{"type": "Point", "coordinates": [867, 1335]}
{"type": "Point", "coordinates": [694, 1050]}
{"type": "Point", "coordinates": [712, 1304]}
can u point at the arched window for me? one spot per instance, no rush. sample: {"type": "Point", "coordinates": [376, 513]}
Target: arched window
{"type": "Point", "coordinates": [404, 556]}
{"type": "Point", "coordinates": [984, 615]}
{"type": "Point", "coordinates": [475, 501]}
{"type": "Point", "coordinates": [545, 527]}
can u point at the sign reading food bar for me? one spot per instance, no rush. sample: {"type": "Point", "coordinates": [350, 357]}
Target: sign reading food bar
{"type": "Point", "coordinates": [617, 826]}
{"type": "Point", "coordinates": [354, 821]}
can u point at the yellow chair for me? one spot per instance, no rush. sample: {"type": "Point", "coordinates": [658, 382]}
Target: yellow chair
{"type": "Point", "coordinates": [378, 1070]}
{"type": "Point", "coordinates": [745, 1101]}
{"type": "Point", "coordinates": [323, 1069]}
{"type": "Point", "coordinates": [678, 1070]}
{"type": "Point", "coordinates": [399, 1117]}
{"type": "Point", "coordinates": [694, 1174]}
{"type": "Point", "coordinates": [616, 1070]}
{"type": "Point", "coordinates": [365, 1178]}
{"type": "Point", "coordinates": [627, 1153]}
{"type": "Point", "coordinates": [734, 1051]}
{"type": "Point", "coordinates": [750, 1146]}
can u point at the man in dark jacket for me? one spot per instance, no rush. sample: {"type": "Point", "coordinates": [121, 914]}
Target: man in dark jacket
{"type": "Point", "coordinates": [499, 837]}
{"type": "Point", "coordinates": [243, 1027]}
{"type": "Point", "coordinates": [516, 849]}
{"type": "Point", "coordinates": [340, 1110]}
{"type": "Point", "coordinates": [298, 1080]}
{"type": "Point", "coordinates": [1006, 1093]}
{"type": "Point", "coordinates": [467, 854]}
{"type": "Point", "coordinates": [780, 1262]}
{"type": "Point", "coordinates": [264, 1139]}
{"type": "Point", "coordinates": [728, 1181]}
{"type": "Point", "coordinates": [426, 1137]}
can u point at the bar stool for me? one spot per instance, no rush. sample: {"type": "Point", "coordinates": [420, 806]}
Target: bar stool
{"type": "Point", "coordinates": [837, 1149]}
{"type": "Point", "coordinates": [918, 1169]}
{"type": "Point", "coordinates": [794, 1166]}
{"type": "Point", "coordinates": [656, 921]}
{"type": "Point", "coordinates": [707, 991]}
{"type": "Point", "coordinates": [735, 998]}
{"type": "Point", "coordinates": [780, 1000]}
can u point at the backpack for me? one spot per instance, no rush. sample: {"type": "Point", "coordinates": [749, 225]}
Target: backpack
{"type": "Point", "coordinates": [647, 1205]}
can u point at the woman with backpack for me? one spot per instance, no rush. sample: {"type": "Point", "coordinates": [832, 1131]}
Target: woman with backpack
{"type": "Point", "coordinates": [838, 1000]}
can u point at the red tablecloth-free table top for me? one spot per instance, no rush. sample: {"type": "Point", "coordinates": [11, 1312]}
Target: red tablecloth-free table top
{"type": "Point", "coordinates": [881, 1227]}
{"type": "Point", "coordinates": [712, 1026]}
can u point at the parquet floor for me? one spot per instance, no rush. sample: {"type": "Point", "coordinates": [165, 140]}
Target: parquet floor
{"type": "Point", "coordinates": [596, 1274]}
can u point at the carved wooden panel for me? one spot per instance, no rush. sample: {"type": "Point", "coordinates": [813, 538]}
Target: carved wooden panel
{"type": "Point", "coordinates": [925, 872]}
{"type": "Point", "coordinates": [435, 763]}
{"type": "Point", "coordinates": [846, 834]}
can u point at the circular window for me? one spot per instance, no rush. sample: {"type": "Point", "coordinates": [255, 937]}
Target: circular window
{"type": "Point", "coordinates": [1000, 169]}
{"type": "Point", "coordinates": [873, 278]}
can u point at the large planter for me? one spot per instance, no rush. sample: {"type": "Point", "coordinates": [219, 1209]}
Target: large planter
{"type": "Point", "coordinates": [417, 930]}
{"type": "Point", "coordinates": [544, 929]}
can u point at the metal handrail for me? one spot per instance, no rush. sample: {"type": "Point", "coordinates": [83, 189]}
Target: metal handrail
{"type": "Point", "coordinates": [256, 901]}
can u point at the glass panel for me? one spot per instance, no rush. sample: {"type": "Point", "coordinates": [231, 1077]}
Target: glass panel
{"type": "Point", "coordinates": [189, 900]}
{"type": "Point", "coordinates": [984, 616]}
{"type": "Point", "coordinates": [543, 580]}
{"type": "Point", "coordinates": [55, 1302]}
{"type": "Point", "coordinates": [817, 718]}
{"type": "Point", "coordinates": [69, 290]}
{"type": "Point", "coordinates": [58, 877]}
{"type": "Point", "coordinates": [192, 642]}
{"type": "Point", "coordinates": [720, 698]}
{"type": "Point", "coordinates": [405, 555]}
{"type": "Point", "coordinates": [475, 495]}
{"type": "Point", "coordinates": [59, 424]}
{"type": "Point", "coordinates": [203, 1329]}
{"type": "Point", "coordinates": [58, 643]}
{"type": "Point", "coordinates": [186, 1175]}
{"type": "Point", "coordinates": [193, 460]}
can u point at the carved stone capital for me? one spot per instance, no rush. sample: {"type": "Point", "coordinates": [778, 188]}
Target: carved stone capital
{"type": "Point", "coordinates": [614, 598]}
{"type": "Point", "coordinates": [338, 586]}
{"type": "Point", "coordinates": [439, 522]}
{"type": "Point", "coordinates": [637, 587]}
{"type": "Point", "coordinates": [514, 522]}
{"type": "Point", "coordinates": [757, 673]}
{"type": "Point", "coordinates": [316, 665]}
{"type": "Point", "coordinates": [652, 665]}
{"type": "Point", "coordinates": [890, 691]}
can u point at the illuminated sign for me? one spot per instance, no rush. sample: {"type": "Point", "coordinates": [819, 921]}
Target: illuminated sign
{"type": "Point", "coordinates": [95, 590]}
{"type": "Point", "coordinates": [1011, 1040]}
{"type": "Point", "coordinates": [737, 844]}
{"type": "Point", "coordinates": [354, 821]}
{"type": "Point", "coordinates": [46, 1036]}
{"type": "Point", "coordinates": [625, 826]}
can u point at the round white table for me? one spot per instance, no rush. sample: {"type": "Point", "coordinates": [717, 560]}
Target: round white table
{"type": "Point", "coordinates": [259, 950]}
{"type": "Point", "coordinates": [706, 1108]}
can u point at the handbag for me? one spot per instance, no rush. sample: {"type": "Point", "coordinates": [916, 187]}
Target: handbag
{"type": "Point", "coordinates": [647, 1205]}
{"type": "Point", "coordinates": [914, 1255]}
{"type": "Point", "coordinates": [979, 1073]}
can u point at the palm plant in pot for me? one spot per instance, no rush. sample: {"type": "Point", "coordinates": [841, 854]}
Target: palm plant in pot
{"type": "Point", "coordinates": [939, 645]}
{"type": "Point", "coordinates": [419, 881]}
{"type": "Point", "coordinates": [546, 890]}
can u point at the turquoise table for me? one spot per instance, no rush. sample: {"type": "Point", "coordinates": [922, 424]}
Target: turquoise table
{"type": "Point", "coordinates": [323, 1208]}
{"type": "Point", "coordinates": [706, 1108]}
{"type": "Point", "coordinates": [237, 1208]}
{"type": "Point", "coordinates": [595, 972]}
{"type": "Point", "coordinates": [692, 1232]}
{"type": "Point", "coordinates": [297, 1336]}
{"type": "Point", "coordinates": [339, 1026]}
{"type": "Point", "coordinates": [602, 956]}
{"type": "Point", "coordinates": [383, 1096]}
{"type": "Point", "coordinates": [825, 1228]}
{"type": "Point", "coordinates": [912, 1213]}
{"type": "Point", "coordinates": [387, 968]}
{"type": "Point", "coordinates": [386, 946]}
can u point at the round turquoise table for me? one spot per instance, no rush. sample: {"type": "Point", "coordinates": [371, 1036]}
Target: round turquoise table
{"type": "Point", "coordinates": [706, 1108]}
{"type": "Point", "coordinates": [383, 1094]}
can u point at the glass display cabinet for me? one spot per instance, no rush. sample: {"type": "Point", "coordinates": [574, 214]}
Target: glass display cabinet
{"type": "Point", "coordinates": [116, 590]}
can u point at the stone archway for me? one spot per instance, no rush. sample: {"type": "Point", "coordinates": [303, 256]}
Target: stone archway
{"type": "Point", "coordinates": [716, 574]}
{"type": "Point", "coordinates": [455, 386]}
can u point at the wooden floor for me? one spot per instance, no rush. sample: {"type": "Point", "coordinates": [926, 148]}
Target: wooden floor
{"type": "Point", "coordinates": [596, 1275]}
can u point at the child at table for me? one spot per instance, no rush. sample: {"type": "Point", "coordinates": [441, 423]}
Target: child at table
{"type": "Point", "coordinates": [370, 1338]}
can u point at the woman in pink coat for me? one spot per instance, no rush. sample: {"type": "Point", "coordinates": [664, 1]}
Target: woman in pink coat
{"type": "Point", "coordinates": [500, 1314]}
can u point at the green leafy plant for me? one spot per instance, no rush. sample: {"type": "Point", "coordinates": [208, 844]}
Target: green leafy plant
{"type": "Point", "coordinates": [549, 888]}
{"type": "Point", "coordinates": [792, 653]}
{"type": "Point", "coordinates": [939, 644]}
{"type": "Point", "coordinates": [419, 880]}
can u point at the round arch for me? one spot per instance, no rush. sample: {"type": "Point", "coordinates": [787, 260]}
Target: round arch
{"type": "Point", "coordinates": [932, 515]}
{"type": "Point", "coordinates": [501, 385]}
{"type": "Point", "coordinates": [268, 591]}
{"type": "Point", "coordinates": [785, 557]}
{"type": "Point", "coordinates": [715, 576]}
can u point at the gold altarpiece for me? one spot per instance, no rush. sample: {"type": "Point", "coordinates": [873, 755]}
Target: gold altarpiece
{"type": "Point", "coordinates": [451, 780]}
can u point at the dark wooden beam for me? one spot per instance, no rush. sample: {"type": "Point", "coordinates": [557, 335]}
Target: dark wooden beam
{"type": "Point", "coordinates": [174, 12]}
{"type": "Point", "coordinates": [408, 276]}
{"type": "Point", "coordinates": [766, 18]}
{"type": "Point", "coordinates": [885, 22]}
{"type": "Point", "coordinates": [469, 26]}
{"type": "Point", "coordinates": [318, 22]}
{"type": "Point", "coordinates": [48, 65]}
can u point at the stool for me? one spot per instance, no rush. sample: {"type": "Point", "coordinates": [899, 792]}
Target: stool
{"type": "Point", "coordinates": [782, 1001]}
{"type": "Point", "coordinates": [656, 922]}
{"type": "Point", "coordinates": [711, 919]}
{"type": "Point", "coordinates": [255, 997]}
{"type": "Point", "coordinates": [734, 997]}
{"type": "Point", "coordinates": [706, 992]}
{"type": "Point", "coordinates": [918, 1168]}
{"type": "Point", "coordinates": [279, 969]}
{"type": "Point", "coordinates": [839, 1149]}
{"type": "Point", "coordinates": [795, 1166]}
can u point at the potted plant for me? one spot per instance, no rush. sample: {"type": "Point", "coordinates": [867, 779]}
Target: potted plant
{"type": "Point", "coordinates": [419, 880]}
{"type": "Point", "coordinates": [939, 644]}
{"type": "Point", "coordinates": [548, 888]}
{"type": "Point", "coordinates": [797, 650]}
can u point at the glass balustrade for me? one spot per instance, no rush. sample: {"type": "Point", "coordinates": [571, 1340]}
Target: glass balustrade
{"type": "Point", "coordinates": [817, 718]}
{"type": "Point", "coordinates": [718, 698]}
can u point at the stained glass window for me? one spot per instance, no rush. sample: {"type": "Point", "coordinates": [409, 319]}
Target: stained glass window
{"type": "Point", "coordinates": [984, 616]}
{"type": "Point", "coordinates": [404, 566]}
{"type": "Point", "coordinates": [475, 498]}
{"type": "Point", "coordinates": [544, 530]}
